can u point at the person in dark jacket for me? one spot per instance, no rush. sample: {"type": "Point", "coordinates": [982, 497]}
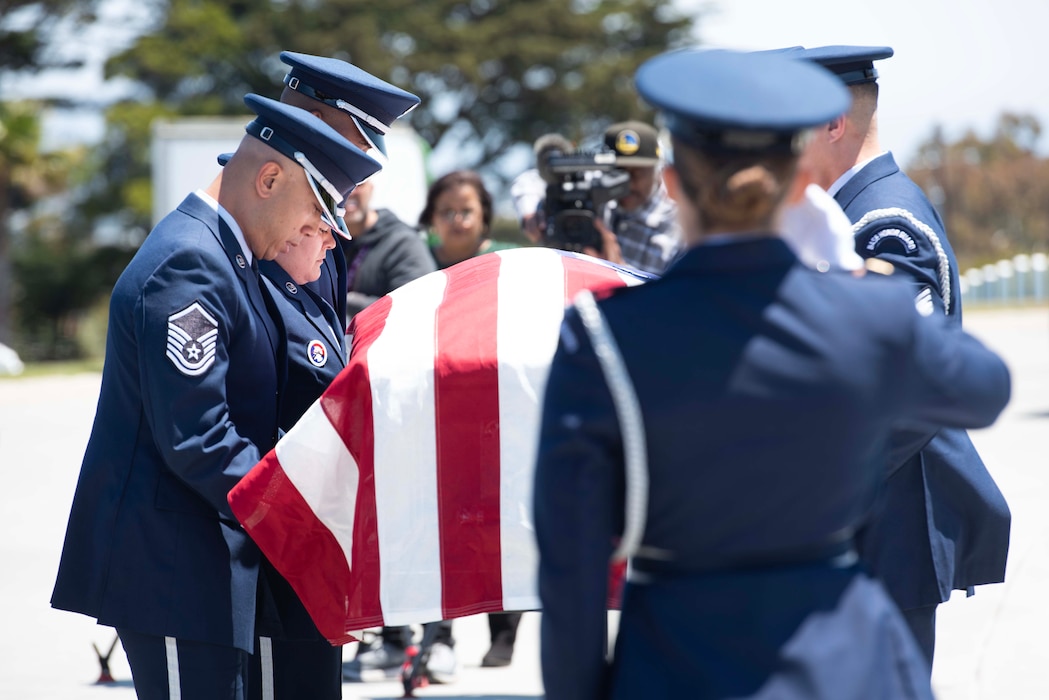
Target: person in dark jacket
{"type": "Point", "coordinates": [384, 252]}
{"type": "Point", "coordinates": [944, 524]}
{"type": "Point", "coordinates": [189, 404]}
{"type": "Point", "coordinates": [359, 106]}
{"type": "Point", "coordinates": [726, 427]}
{"type": "Point", "coordinates": [293, 658]}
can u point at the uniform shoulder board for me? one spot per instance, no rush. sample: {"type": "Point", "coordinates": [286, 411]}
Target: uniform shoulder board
{"type": "Point", "coordinates": [901, 226]}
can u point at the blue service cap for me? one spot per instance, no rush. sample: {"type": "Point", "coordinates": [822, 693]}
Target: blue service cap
{"type": "Point", "coordinates": [735, 102]}
{"type": "Point", "coordinates": [333, 165]}
{"type": "Point", "coordinates": [374, 104]}
{"type": "Point", "coordinates": [854, 65]}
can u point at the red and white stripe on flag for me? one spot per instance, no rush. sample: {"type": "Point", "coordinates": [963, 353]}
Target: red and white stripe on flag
{"type": "Point", "coordinates": [404, 493]}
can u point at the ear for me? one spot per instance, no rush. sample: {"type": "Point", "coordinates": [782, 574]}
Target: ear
{"type": "Point", "coordinates": [672, 181]}
{"type": "Point", "coordinates": [836, 128]}
{"type": "Point", "coordinates": [267, 179]}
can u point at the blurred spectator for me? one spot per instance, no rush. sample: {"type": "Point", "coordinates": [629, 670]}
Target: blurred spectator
{"type": "Point", "coordinates": [458, 214]}
{"type": "Point", "coordinates": [644, 221]}
{"type": "Point", "coordinates": [384, 253]}
{"type": "Point", "coordinates": [638, 229]}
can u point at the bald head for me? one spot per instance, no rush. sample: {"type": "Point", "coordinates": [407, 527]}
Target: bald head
{"type": "Point", "coordinates": [269, 196]}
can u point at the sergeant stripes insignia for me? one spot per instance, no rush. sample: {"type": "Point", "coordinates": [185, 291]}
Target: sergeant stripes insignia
{"type": "Point", "coordinates": [943, 266]}
{"type": "Point", "coordinates": [192, 336]}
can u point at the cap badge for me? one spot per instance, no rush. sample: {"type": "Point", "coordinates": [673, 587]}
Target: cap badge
{"type": "Point", "coordinates": [628, 142]}
{"type": "Point", "coordinates": [317, 353]}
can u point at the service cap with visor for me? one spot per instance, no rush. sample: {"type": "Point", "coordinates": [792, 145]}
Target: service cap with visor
{"type": "Point", "coordinates": [734, 102]}
{"type": "Point", "coordinates": [333, 166]}
{"type": "Point", "coordinates": [854, 65]}
{"type": "Point", "coordinates": [372, 103]}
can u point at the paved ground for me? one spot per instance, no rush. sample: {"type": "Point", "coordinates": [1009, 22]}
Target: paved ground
{"type": "Point", "coordinates": [991, 647]}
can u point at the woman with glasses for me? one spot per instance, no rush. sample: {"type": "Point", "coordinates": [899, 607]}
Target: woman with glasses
{"type": "Point", "coordinates": [458, 212]}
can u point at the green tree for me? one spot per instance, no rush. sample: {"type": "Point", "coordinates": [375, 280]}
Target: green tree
{"type": "Point", "coordinates": [26, 47]}
{"type": "Point", "coordinates": [28, 26]}
{"type": "Point", "coordinates": [993, 193]}
{"type": "Point", "coordinates": [492, 74]}
{"type": "Point", "coordinates": [26, 176]}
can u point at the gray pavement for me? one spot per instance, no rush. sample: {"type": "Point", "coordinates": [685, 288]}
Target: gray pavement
{"type": "Point", "coordinates": [990, 647]}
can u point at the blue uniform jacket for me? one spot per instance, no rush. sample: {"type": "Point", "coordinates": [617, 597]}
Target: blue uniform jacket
{"type": "Point", "coordinates": [188, 405]}
{"type": "Point", "coordinates": [944, 524]}
{"type": "Point", "coordinates": [315, 356]}
{"type": "Point", "coordinates": [331, 285]}
{"type": "Point", "coordinates": [314, 340]}
{"type": "Point", "coordinates": [768, 392]}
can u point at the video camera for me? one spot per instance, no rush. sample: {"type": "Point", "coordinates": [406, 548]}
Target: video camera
{"type": "Point", "coordinates": [579, 183]}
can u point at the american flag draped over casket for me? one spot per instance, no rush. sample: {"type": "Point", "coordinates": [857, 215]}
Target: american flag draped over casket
{"type": "Point", "coordinates": [403, 495]}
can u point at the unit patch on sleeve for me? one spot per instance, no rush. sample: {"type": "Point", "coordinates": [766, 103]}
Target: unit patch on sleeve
{"type": "Point", "coordinates": [192, 335]}
{"type": "Point", "coordinates": [900, 238]}
{"type": "Point", "coordinates": [876, 233]}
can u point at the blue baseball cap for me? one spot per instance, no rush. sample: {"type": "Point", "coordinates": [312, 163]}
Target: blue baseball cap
{"type": "Point", "coordinates": [854, 65]}
{"type": "Point", "coordinates": [736, 102]}
{"type": "Point", "coordinates": [373, 104]}
{"type": "Point", "coordinates": [333, 165]}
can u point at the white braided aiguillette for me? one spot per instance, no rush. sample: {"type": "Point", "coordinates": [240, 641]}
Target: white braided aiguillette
{"type": "Point", "coordinates": [631, 424]}
{"type": "Point", "coordinates": [943, 266]}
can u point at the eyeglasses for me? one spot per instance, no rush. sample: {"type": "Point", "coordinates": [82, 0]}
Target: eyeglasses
{"type": "Point", "coordinates": [450, 215]}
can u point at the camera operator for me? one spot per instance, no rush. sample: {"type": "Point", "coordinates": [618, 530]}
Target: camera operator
{"type": "Point", "coordinates": [643, 222]}
{"type": "Point", "coordinates": [610, 204]}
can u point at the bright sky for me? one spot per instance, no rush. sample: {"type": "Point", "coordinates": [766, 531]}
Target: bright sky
{"type": "Point", "coordinates": [959, 63]}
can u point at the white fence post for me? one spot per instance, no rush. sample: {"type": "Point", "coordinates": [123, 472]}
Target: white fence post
{"type": "Point", "coordinates": [1038, 273]}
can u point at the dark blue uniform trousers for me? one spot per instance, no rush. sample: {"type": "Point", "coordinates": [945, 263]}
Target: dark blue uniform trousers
{"type": "Point", "coordinates": [283, 669]}
{"type": "Point", "coordinates": [168, 669]}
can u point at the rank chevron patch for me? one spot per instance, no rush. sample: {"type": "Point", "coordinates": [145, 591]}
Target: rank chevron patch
{"type": "Point", "coordinates": [192, 334]}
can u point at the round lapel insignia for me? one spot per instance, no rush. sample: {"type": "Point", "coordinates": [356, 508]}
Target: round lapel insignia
{"type": "Point", "coordinates": [291, 287]}
{"type": "Point", "coordinates": [241, 262]}
{"type": "Point", "coordinates": [317, 353]}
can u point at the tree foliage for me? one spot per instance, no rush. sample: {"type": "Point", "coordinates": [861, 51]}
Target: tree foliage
{"type": "Point", "coordinates": [492, 74]}
{"type": "Point", "coordinates": [60, 277]}
{"type": "Point", "coordinates": [993, 193]}
{"type": "Point", "coordinates": [25, 175]}
{"type": "Point", "coordinates": [26, 29]}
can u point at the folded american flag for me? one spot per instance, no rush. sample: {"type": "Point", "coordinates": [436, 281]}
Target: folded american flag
{"type": "Point", "coordinates": [404, 493]}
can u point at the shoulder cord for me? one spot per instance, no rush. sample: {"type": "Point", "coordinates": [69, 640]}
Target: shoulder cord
{"type": "Point", "coordinates": [944, 266]}
{"type": "Point", "coordinates": [628, 412]}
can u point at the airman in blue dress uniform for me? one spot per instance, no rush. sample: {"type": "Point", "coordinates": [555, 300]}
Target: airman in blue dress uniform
{"type": "Point", "coordinates": [766, 392]}
{"type": "Point", "coordinates": [189, 403]}
{"type": "Point", "coordinates": [359, 106]}
{"type": "Point", "coordinates": [944, 524]}
{"type": "Point", "coordinates": [293, 657]}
